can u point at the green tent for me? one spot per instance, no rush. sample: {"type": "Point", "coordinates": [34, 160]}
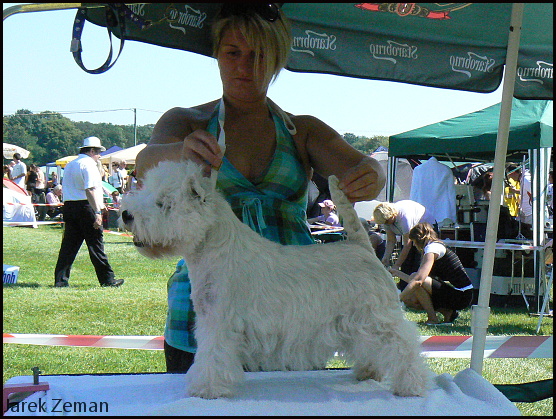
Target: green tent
{"type": "Point", "coordinates": [473, 136]}
{"type": "Point", "coordinates": [460, 46]}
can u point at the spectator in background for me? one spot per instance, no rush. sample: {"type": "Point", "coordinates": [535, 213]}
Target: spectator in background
{"type": "Point", "coordinates": [31, 178]}
{"type": "Point", "coordinates": [441, 283]}
{"type": "Point", "coordinates": [83, 205]}
{"type": "Point", "coordinates": [525, 215]}
{"type": "Point", "coordinates": [398, 219]}
{"type": "Point", "coordinates": [512, 189]}
{"type": "Point", "coordinates": [105, 173]}
{"type": "Point", "coordinates": [54, 201]}
{"type": "Point", "coordinates": [53, 181]}
{"type": "Point", "coordinates": [131, 183]}
{"type": "Point", "coordinates": [19, 171]}
{"type": "Point", "coordinates": [8, 170]}
{"type": "Point", "coordinates": [379, 244]}
{"type": "Point", "coordinates": [40, 193]}
{"type": "Point", "coordinates": [123, 174]}
{"type": "Point", "coordinates": [329, 216]}
{"type": "Point", "coordinates": [116, 199]}
{"type": "Point", "coordinates": [40, 186]}
{"type": "Point", "coordinates": [117, 180]}
{"type": "Point", "coordinates": [487, 185]}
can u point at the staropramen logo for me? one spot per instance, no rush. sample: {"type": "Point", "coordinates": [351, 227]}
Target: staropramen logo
{"type": "Point", "coordinates": [471, 62]}
{"type": "Point", "coordinates": [539, 74]}
{"type": "Point", "coordinates": [313, 41]}
{"type": "Point", "coordinates": [392, 50]}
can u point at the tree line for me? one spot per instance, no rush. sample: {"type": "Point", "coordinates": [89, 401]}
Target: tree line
{"type": "Point", "coordinates": [49, 135]}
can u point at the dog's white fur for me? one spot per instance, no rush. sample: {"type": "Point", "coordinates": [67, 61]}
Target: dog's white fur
{"type": "Point", "coordinates": [264, 306]}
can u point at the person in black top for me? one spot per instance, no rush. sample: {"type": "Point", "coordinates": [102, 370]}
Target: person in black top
{"type": "Point", "coordinates": [441, 283]}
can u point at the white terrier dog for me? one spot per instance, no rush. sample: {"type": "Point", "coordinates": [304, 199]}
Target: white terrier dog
{"type": "Point", "coordinates": [264, 306]}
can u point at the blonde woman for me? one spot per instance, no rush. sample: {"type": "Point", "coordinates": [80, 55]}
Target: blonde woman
{"type": "Point", "coordinates": [269, 156]}
{"type": "Point", "coordinates": [398, 219]}
{"type": "Point", "coordinates": [441, 283]}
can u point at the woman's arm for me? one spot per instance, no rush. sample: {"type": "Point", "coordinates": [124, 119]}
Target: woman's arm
{"type": "Point", "coordinates": [361, 177]}
{"type": "Point", "coordinates": [422, 273]}
{"type": "Point", "coordinates": [390, 243]}
{"type": "Point", "coordinates": [406, 243]}
{"type": "Point", "coordinates": [180, 134]}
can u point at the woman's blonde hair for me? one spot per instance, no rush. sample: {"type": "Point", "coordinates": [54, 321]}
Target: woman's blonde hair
{"type": "Point", "coordinates": [422, 234]}
{"type": "Point", "coordinates": [271, 40]}
{"type": "Point", "coordinates": [383, 212]}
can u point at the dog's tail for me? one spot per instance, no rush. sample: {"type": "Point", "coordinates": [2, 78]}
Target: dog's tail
{"type": "Point", "coordinates": [352, 225]}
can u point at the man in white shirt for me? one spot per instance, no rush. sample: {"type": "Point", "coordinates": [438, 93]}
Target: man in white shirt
{"type": "Point", "coordinates": [123, 175]}
{"type": "Point", "coordinates": [83, 205]}
{"type": "Point", "coordinates": [19, 170]}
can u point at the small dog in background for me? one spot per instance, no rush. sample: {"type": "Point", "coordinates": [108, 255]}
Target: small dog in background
{"type": "Point", "coordinates": [263, 306]}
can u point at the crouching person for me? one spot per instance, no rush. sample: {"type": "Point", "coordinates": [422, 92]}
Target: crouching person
{"type": "Point", "coordinates": [441, 284]}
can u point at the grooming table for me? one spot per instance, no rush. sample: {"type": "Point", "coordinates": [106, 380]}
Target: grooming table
{"type": "Point", "coordinates": [327, 392]}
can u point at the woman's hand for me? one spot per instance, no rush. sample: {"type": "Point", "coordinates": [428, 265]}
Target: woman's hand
{"type": "Point", "coordinates": [364, 181]}
{"type": "Point", "coordinates": [202, 147]}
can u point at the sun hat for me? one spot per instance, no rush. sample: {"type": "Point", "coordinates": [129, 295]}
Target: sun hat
{"type": "Point", "coordinates": [327, 203]}
{"type": "Point", "coordinates": [93, 142]}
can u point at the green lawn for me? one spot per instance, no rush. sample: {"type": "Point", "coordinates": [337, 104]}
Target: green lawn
{"type": "Point", "coordinates": [33, 305]}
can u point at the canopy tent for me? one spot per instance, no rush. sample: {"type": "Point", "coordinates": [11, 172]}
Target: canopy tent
{"type": "Point", "coordinates": [404, 176]}
{"type": "Point", "coordinates": [17, 205]}
{"type": "Point", "coordinates": [111, 150]}
{"type": "Point", "coordinates": [65, 160]}
{"type": "Point", "coordinates": [463, 46]}
{"type": "Point", "coordinates": [459, 46]}
{"type": "Point", "coordinates": [473, 136]}
{"type": "Point", "coordinates": [9, 150]}
{"type": "Point", "coordinates": [127, 154]}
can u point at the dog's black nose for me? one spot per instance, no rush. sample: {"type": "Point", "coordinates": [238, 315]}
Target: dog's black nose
{"type": "Point", "coordinates": [127, 217]}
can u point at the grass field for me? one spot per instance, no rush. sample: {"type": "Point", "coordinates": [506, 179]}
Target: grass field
{"type": "Point", "coordinates": [33, 305]}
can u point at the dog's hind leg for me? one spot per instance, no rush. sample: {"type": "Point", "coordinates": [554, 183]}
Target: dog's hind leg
{"type": "Point", "coordinates": [350, 220]}
{"type": "Point", "coordinates": [390, 349]}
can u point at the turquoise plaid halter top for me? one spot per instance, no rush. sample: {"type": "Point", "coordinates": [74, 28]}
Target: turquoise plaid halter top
{"type": "Point", "coordinates": [274, 204]}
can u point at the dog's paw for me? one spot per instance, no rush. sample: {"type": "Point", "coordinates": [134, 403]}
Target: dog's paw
{"type": "Point", "coordinates": [209, 392]}
{"type": "Point", "coordinates": [207, 383]}
{"type": "Point", "coordinates": [412, 384]}
{"type": "Point", "coordinates": [368, 373]}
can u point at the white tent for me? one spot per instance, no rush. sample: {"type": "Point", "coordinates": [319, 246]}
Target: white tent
{"type": "Point", "coordinates": [404, 177]}
{"type": "Point", "coordinates": [127, 154]}
{"type": "Point", "coordinates": [18, 208]}
{"type": "Point", "coordinates": [402, 187]}
{"type": "Point", "coordinates": [9, 150]}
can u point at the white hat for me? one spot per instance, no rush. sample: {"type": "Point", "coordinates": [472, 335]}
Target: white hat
{"type": "Point", "coordinates": [327, 203]}
{"type": "Point", "coordinates": [92, 142]}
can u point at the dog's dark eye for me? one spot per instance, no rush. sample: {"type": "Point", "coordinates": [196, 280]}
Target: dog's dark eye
{"type": "Point", "coordinates": [159, 204]}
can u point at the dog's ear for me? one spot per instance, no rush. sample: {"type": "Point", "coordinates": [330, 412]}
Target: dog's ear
{"type": "Point", "coordinates": [195, 189]}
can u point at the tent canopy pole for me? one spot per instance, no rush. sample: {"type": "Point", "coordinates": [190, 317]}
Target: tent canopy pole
{"type": "Point", "coordinates": [480, 312]}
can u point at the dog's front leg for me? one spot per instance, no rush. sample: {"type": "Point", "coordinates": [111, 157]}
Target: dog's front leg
{"type": "Point", "coordinates": [217, 369]}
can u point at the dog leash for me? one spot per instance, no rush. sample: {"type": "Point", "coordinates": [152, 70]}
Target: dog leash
{"type": "Point", "coordinates": [116, 15]}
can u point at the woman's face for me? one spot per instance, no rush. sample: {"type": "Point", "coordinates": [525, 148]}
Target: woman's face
{"type": "Point", "coordinates": [390, 220]}
{"type": "Point", "coordinates": [236, 62]}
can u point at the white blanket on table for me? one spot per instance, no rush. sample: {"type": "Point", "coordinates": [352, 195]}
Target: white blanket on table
{"type": "Point", "coordinates": [327, 392]}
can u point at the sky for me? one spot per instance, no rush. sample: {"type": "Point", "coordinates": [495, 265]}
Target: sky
{"type": "Point", "coordinates": [40, 74]}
